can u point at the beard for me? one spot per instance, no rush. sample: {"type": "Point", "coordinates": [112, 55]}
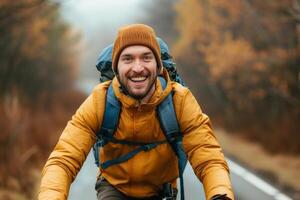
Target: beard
{"type": "Point", "coordinates": [128, 90]}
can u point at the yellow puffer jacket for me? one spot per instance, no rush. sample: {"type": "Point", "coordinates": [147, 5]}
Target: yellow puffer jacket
{"type": "Point", "coordinates": [144, 174]}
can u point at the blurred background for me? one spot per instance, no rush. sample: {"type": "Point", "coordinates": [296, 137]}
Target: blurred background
{"type": "Point", "coordinates": [240, 58]}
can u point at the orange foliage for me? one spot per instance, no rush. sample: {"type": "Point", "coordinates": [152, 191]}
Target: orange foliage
{"type": "Point", "coordinates": [238, 54]}
{"type": "Point", "coordinates": [36, 39]}
{"type": "Point", "coordinates": [244, 56]}
{"type": "Point", "coordinates": [37, 52]}
{"type": "Point", "coordinates": [189, 27]}
{"type": "Point", "coordinates": [38, 65]}
{"type": "Point", "coordinates": [28, 134]}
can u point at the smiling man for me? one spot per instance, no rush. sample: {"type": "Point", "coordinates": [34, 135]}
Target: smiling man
{"type": "Point", "coordinates": [137, 161]}
{"type": "Point", "coordinates": [137, 71]}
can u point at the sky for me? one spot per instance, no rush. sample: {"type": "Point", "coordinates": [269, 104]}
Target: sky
{"type": "Point", "coordinates": [98, 22]}
{"type": "Point", "coordinates": [89, 15]}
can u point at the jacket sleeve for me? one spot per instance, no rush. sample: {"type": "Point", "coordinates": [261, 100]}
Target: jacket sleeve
{"type": "Point", "coordinates": [70, 152]}
{"type": "Point", "coordinates": [203, 149]}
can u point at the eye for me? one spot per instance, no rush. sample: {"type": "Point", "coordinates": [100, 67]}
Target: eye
{"type": "Point", "coordinates": [148, 58]}
{"type": "Point", "coordinates": [126, 59]}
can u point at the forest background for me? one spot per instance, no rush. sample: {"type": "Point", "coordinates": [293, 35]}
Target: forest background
{"type": "Point", "coordinates": [240, 58]}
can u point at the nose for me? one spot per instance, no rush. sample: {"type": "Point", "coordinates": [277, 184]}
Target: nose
{"type": "Point", "coordinates": [137, 66]}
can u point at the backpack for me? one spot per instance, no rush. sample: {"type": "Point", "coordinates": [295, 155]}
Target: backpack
{"type": "Point", "coordinates": [165, 111]}
{"type": "Point", "coordinates": [104, 63]}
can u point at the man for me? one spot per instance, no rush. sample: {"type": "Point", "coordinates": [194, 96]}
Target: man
{"type": "Point", "coordinates": [136, 62]}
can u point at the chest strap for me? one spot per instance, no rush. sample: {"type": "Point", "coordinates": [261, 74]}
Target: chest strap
{"type": "Point", "coordinates": [142, 147]}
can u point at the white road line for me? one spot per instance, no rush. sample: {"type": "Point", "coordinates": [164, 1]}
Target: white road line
{"type": "Point", "coordinates": [256, 181]}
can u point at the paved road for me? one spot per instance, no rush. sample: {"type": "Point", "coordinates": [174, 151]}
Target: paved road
{"type": "Point", "coordinates": [248, 186]}
{"type": "Point", "coordinates": [83, 186]}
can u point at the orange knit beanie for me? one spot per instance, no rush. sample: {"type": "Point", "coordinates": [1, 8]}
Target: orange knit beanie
{"type": "Point", "coordinates": [135, 34]}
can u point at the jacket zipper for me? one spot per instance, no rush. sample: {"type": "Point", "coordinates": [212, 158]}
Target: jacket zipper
{"type": "Point", "coordinates": [139, 106]}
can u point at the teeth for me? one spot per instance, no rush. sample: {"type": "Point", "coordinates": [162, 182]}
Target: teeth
{"type": "Point", "coordinates": [139, 78]}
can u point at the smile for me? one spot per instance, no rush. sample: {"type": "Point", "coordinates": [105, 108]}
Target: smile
{"type": "Point", "coordinates": [138, 78]}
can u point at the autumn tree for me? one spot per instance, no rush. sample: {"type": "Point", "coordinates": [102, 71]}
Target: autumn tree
{"type": "Point", "coordinates": [246, 55]}
{"type": "Point", "coordinates": [37, 61]}
{"type": "Point", "coordinates": [35, 54]}
{"type": "Point", "coordinates": [161, 16]}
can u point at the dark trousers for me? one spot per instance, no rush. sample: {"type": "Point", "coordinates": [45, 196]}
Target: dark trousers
{"type": "Point", "coordinates": [105, 191]}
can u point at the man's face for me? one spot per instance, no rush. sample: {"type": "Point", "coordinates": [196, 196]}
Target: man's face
{"type": "Point", "coordinates": [137, 71]}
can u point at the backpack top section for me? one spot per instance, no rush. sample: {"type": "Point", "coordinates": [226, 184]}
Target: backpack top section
{"type": "Point", "coordinates": [104, 63]}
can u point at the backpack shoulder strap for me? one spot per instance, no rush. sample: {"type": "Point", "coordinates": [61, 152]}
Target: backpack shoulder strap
{"type": "Point", "coordinates": [110, 122]}
{"type": "Point", "coordinates": [111, 114]}
{"type": "Point", "coordinates": [167, 116]}
{"type": "Point", "coordinates": [169, 124]}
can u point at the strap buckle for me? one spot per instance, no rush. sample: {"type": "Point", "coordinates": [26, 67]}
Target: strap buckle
{"type": "Point", "coordinates": [168, 192]}
{"type": "Point", "coordinates": [150, 146]}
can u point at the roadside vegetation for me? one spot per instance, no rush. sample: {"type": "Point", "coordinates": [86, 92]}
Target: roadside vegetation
{"type": "Point", "coordinates": [38, 67]}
